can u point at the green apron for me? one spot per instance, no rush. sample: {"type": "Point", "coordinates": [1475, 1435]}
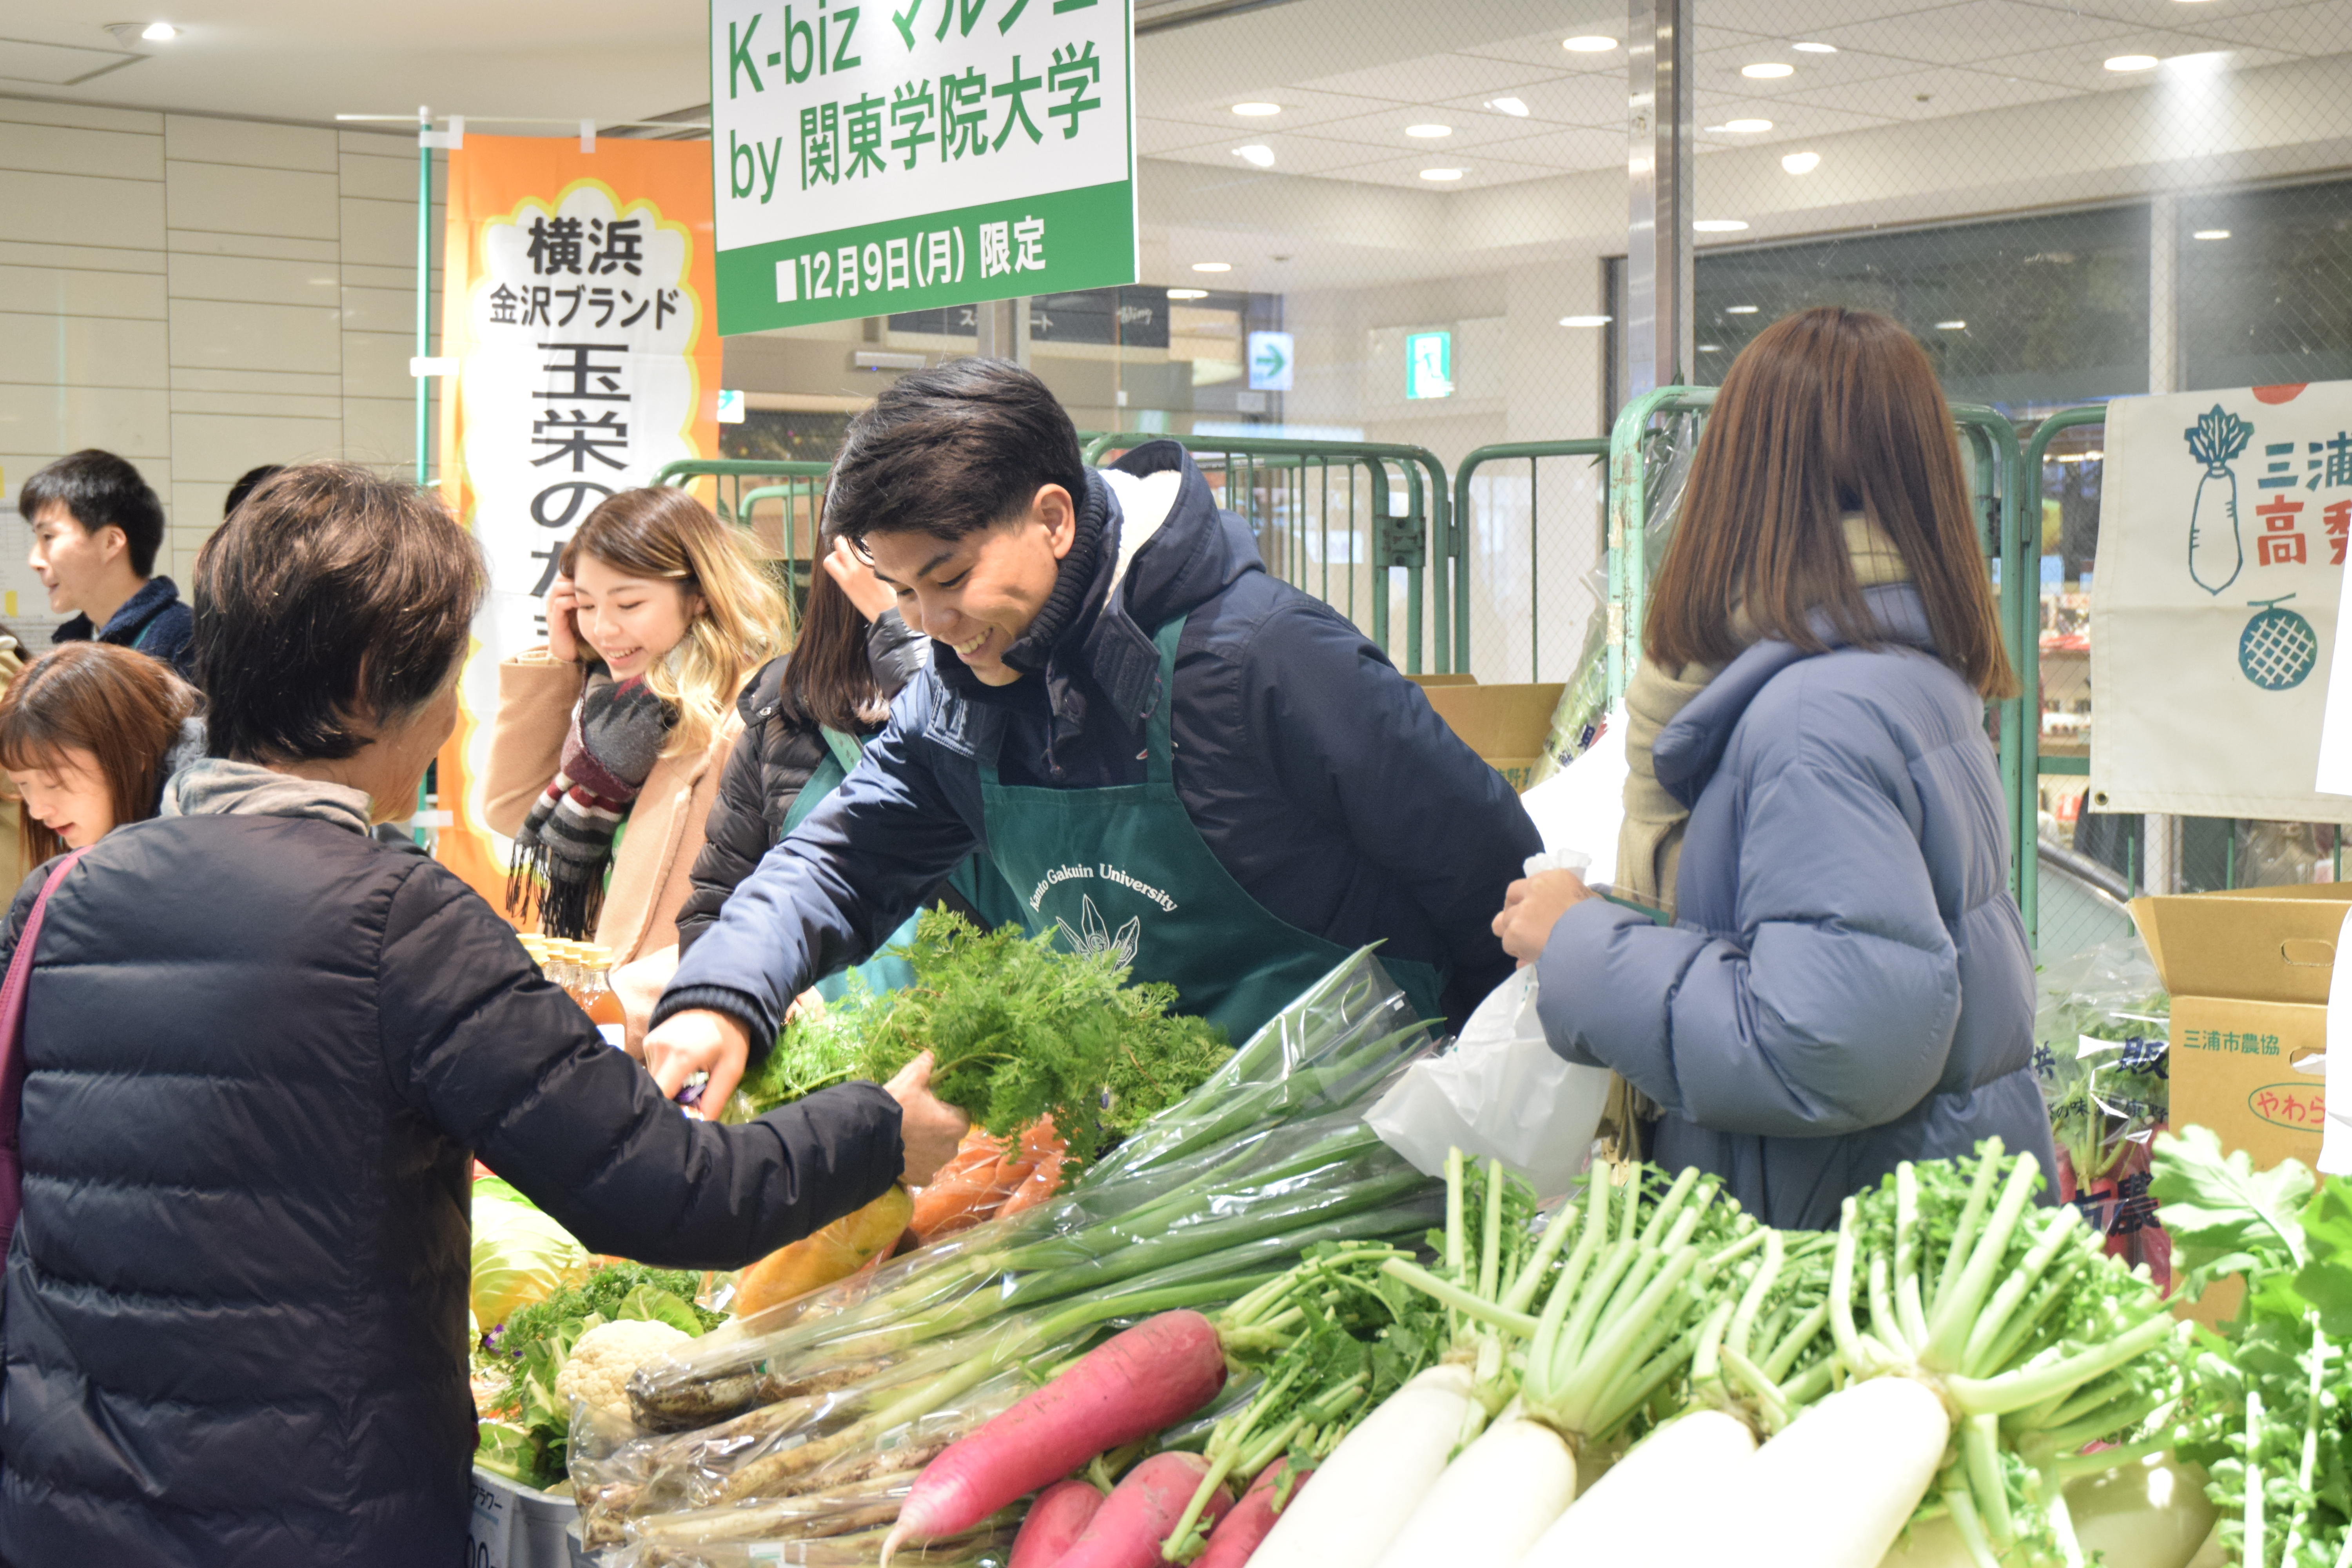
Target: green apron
{"type": "Point", "coordinates": [1122, 870]}
{"type": "Point", "coordinates": [888, 969]}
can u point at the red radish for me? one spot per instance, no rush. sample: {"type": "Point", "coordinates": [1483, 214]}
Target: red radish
{"type": "Point", "coordinates": [1129, 1386]}
{"type": "Point", "coordinates": [1237, 1535]}
{"type": "Point", "coordinates": [1126, 1530]}
{"type": "Point", "coordinates": [1058, 1517]}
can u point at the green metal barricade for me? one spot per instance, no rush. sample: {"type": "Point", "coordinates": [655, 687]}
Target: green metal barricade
{"type": "Point", "coordinates": [1994, 452]}
{"type": "Point", "coordinates": [1341, 544]}
{"type": "Point", "coordinates": [1532, 453]}
{"type": "Point", "coordinates": [741, 485]}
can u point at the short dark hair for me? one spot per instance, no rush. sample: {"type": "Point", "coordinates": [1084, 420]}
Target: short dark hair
{"type": "Point", "coordinates": [247, 483]}
{"type": "Point", "coordinates": [100, 491]}
{"type": "Point", "coordinates": [950, 451]}
{"type": "Point", "coordinates": [333, 597]}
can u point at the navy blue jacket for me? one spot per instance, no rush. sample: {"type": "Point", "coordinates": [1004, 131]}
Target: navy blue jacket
{"type": "Point", "coordinates": [1318, 777]}
{"type": "Point", "coordinates": [151, 620]}
{"type": "Point", "coordinates": [1847, 984]}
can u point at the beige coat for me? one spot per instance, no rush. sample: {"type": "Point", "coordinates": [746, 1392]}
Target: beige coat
{"type": "Point", "coordinates": [651, 870]}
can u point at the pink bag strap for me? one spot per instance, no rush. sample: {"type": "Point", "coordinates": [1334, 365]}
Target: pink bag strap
{"type": "Point", "coordinates": [20, 975]}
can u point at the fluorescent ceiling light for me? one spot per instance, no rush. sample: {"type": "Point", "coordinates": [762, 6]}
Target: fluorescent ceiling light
{"type": "Point", "coordinates": [1710, 348]}
{"type": "Point", "coordinates": [1951, 326]}
{"type": "Point", "coordinates": [1515, 108]}
{"type": "Point", "coordinates": [1740, 310]}
{"type": "Point", "coordinates": [2210, 234]}
{"type": "Point", "coordinates": [1766, 70]}
{"type": "Point", "coordinates": [1212, 267]}
{"type": "Point", "coordinates": [1440, 174]}
{"type": "Point", "coordinates": [1429, 132]}
{"type": "Point", "coordinates": [1801, 163]}
{"type": "Point", "coordinates": [159, 32]}
{"type": "Point", "coordinates": [1256, 153]}
{"type": "Point", "coordinates": [1588, 44]}
{"type": "Point", "coordinates": [1257, 111]}
{"type": "Point", "coordinates": [1814, 49]}
{"type": "Point", "coordinates": [1584, 320]}
{"type": "Point", "coordinates": [2133, 63]}
{"type": "Point", "coordinates": [1720, 224]}
{"type": "Point", "coordinates": [1743, 127]}
{"type": "Point", "coordinates": [1188, 293]}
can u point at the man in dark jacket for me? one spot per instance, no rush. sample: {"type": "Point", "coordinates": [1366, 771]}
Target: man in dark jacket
{"type": "Point", "coordinates": [97, 526]}
{"type": "Point", "coordinates": [263, 1051]}
{"type": "Point", "coordinates": [1170, 754]}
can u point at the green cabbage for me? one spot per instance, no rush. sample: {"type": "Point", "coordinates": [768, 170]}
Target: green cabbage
{"type": "Point", "coordinates": [520, 1256]}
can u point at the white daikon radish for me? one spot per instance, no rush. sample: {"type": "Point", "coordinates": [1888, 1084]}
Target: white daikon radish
{"type": "Point", "coordinates": [1361, 1497]}
{"type": "Point", "coordinates": [1835, 1488]}
{"type": "Point", "coordinates": [1647, 1508]}
{"type": "Point", "coordinates": [1492, 1501]}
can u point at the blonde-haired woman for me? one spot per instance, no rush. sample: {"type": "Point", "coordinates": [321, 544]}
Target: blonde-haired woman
{"type": "Point", "coordinates": [610, 742]}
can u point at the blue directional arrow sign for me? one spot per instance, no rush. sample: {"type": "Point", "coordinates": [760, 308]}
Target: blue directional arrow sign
{"type": "Point", "coordinates": [1271, 362]}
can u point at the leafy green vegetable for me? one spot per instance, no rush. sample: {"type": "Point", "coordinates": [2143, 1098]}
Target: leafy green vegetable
{"type": "Point", "coordinates": [529, 1443]}
{"type": "Point", "coordinates": [1017, 1029]}
{"type": "Point", "coordinates": [519, 1255]}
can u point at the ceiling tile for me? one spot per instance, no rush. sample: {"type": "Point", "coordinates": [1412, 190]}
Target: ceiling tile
{"type": "Point", "coordinates": [1428, 79]}
{"type": "Point", "coordinates": [1566, 101]}
{"type": "Point", "coordinates": [1384, 133]}
{"type": "Point", "coordinates": [1789, 117]}
{"type": "Point", "coordinates": [1774, 18]}
{"type": "Point", "coordinates": [1932, 94]}
{"type": "Point", "coordinates": [1566, 148]}
{"type": "Point", "coordinates": [2322, 27]}
{"type": "Point", "coordinates": [2163, 13]}
{"type": "Point", "coordinates": [1292, 155]}
{"type": "Point", "coordinates": [1976, 30]}
{"type": "Point", "coordinates": [2086, 71]}
{"type": "Point", "coordinates": [1158, 138]}
{"type": "Point", "coordinates": [1477, 173]}
{"type": "Point", "coordinates": [1721, 69]}
{"type": "Point", "coordinates": [1544, 48]}
{"type": "Point", "coordinates": [1299, 107]}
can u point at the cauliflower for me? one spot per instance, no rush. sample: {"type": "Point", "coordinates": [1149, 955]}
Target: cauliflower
{"type": "Point", "coordinates": [597, 1373]}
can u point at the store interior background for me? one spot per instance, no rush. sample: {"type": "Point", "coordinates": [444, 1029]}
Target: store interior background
{"type": "Point", "coordinates": [204, 272]}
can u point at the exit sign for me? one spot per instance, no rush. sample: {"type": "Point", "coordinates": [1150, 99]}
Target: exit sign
{"type": "Point", "coordinates": [1429, 364]}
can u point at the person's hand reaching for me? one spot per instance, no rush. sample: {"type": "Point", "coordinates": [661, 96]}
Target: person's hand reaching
{"type": "Point", "coordinates": [697, 1041]}
{"type": "Point", "coordinates": [1532, 907]}
{"type": "Point", "coordinates": [928, 1128]}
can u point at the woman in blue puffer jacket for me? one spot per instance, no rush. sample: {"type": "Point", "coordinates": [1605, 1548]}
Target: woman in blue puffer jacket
{"type": "Point", "coordinates": [1846, 984]}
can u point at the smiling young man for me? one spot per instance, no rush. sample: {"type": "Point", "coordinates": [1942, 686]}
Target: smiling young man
{"type": "Point", "coordinates": [1166, 753]}
{"type": "Point", "coordinates": [97, 526]}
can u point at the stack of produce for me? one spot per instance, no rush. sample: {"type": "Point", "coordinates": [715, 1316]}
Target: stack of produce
{"type": "Point", "coordinates": [813, 1429]}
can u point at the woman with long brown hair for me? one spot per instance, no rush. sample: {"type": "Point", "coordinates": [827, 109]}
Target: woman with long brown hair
{"type": "Point", "coordinates": [1812, 802]}
{"type": "Point", "coordinates": [609, 741]}
{"type": "Point", "coordinates": [87, 732]}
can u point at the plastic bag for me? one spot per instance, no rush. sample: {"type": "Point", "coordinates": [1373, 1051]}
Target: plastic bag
{"type": "Point", "coordinates": [2102, 1032]}
{"type": "Point", "coordinates": [1580, 809]}
{"type": "Point", "coordinates": [798, 1424]}
{"type": "Point", "coordinates": [1502, 1092]}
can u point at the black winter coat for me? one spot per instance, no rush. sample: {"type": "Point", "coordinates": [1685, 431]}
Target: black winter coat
{"type": "Point", "coordinates": [769, 765]}
{"type": "Point", "coordinates": [1318, 777]}
{"type": "Point", "coordinates": [262, 1052]}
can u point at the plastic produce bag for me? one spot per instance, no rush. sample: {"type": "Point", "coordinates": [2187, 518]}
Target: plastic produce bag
{"type": "Point", "coordinates": [1580, 809]}
{"type": "Point", "coordinates": [2102, 1032]}
{"type": "Point", "coordinates": [1502, 1092]}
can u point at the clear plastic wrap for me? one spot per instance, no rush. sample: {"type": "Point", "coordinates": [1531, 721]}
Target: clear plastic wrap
{"type": "Point", "coordinates": [2101, 1052]}
{"type": "Point", "coordinates": [804, 1423]}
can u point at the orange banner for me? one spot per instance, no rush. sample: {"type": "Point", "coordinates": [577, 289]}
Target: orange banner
{"type": "Point", "coordinates": [579, 305]}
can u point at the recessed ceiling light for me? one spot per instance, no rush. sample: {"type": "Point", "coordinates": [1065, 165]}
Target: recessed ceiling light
{"type": "Point", "coordinates": [1429, 132]}
{"type": "Point", "coordinates": [1801, 163]}
{"type": "Point", "coordinates": [159, 32]}
{"type": "Point", "coordinates": [2210, 234]}
{"type": "Point", "coordinates": [1188, 293]}
{"type": "Point", "coordinates": [1257, 111]}
{"type": "Point", "coordinates": [1212, 267]}
{"type": "Point", "coordinates": [1951, 326]}
{"type": "Point", "coordinates": [1588, 44]}
{"type": "Point", "coordinates": [1814, 49]}
{"type": "Point", "coordinates": [1515, 108]}
{"type": "Point", "coordinates": [1766, 70]}
{"type": "Point", "coordinates": [1584, 320]}
{"type": "Point", "coordinates": [1710, 348]}
{"type": "Point", "coordinates": [1720, 224]}
{"type": "Point", "coordinates": [2133, 63]}
{"type": "Point", "coordinates": [1743, 127]}
{"type": "Point", "coordinates": [1740, 310]}
{"type": "Point", "coordinates": [1440, 174]}
{"type": "Point", "coordinates": [1256, 153]}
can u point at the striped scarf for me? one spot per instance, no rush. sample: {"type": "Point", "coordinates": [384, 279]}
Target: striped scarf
{"type": "Point", "coordinates": [566, 842]}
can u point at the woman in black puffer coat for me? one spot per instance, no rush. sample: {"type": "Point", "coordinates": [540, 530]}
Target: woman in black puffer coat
{"type": "Point", "coordinates": [263, 1050]}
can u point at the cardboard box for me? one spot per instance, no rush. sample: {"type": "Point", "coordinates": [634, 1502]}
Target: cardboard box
{"type": "Point", "coordinates": [2248, 971]}
{"type": "Point", "coordinates": [1507, 725]}
{"type": "Point", "coordinates": [1426, 681]}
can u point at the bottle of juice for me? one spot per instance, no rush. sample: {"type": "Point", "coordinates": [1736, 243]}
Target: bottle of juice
{"type": "Point", "coordinates": [597, 998]}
